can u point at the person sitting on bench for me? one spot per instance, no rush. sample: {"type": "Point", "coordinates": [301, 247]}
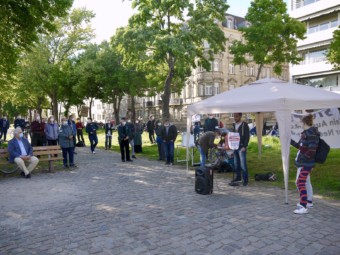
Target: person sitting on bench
{"type": "Point", "coordinates": [21, 151]}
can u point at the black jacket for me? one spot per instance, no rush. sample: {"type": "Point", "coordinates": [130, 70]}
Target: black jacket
{"type": "Point", "coordinates": [210, 124]}
{"type": "Point", "coordinates": [243, 130]}
{"type": "Point", "coordinates": [171, 135]}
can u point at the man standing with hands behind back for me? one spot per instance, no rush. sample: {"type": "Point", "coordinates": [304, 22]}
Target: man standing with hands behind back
{"type": "Point", "coordinates": [240, 159]}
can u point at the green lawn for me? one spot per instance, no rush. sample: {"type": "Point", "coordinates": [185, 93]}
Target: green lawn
{"type": "Point", "coordinates": [325, 177]}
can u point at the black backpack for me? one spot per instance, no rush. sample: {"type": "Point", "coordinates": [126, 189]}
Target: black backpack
{"type": "Point", "coordinates": [322, 152]}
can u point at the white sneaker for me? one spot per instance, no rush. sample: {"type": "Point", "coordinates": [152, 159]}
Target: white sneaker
{"type": "Point", "coordinates": [309, 205]}
{"type": "Point", "coordinates": [93, 152]}
{"type": "Point", "coordinates": [301, 210]}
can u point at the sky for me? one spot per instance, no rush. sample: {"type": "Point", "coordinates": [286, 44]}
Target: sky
{"type": "Point", "coordinates": [112, 14]}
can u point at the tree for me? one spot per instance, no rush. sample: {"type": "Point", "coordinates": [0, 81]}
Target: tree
{"type": "Point", "coordinates": [271, 37]}
{"type": "Point", "coordinates": [165, 39]}
{"type": "Point", "coordinates": [88, 85]}
{"type": "Point", "coordinates": [48, 63]}
{"type": "Point", "coordinates": [333, 54]}
{"type": "Point", "coordinates": [20, 23]}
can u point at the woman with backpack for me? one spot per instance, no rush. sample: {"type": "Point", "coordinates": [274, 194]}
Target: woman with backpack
{"type": "Point", "coordinates": [305, 161]}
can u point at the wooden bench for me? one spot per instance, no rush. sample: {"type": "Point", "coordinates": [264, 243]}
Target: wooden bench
{"type": "Point", "coordinates": [44, 153]}
{"type": "Point", "coordinates": [48, 153]}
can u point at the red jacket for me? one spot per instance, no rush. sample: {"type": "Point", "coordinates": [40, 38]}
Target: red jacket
{"type": "Point", "coordinates": [37, 127]}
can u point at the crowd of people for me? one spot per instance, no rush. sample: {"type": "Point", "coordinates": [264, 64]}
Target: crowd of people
{"type": "Point", "coordinates": [48, 133]}
{"type": "Point", "coordinates": [69, 134]}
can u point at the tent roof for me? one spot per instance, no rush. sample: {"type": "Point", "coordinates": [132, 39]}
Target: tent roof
{"type": "Point", "coordinates": [267, 95]}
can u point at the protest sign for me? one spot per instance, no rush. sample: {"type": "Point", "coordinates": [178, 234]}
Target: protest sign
{"type": "Point", "coordinates": [327, 121]}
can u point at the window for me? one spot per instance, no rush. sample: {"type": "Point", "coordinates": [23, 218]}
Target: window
{"type": "Point", "coordinates": [230, 23]}
{"type": "Point", "coordinates": [216, 88]}
{"type": "Point", "coordinates": [201, 90]}
{"type": "Point", "coordinates": [317, 56]}
{"type": "Point", "coordinates": [252, 71]}
{"type": "Point", "coordinates": [99, 106]}
{"type": "Point", "coordinates": [231, 86]}
{"type": "Point", "coordinates": [208, 90]}
{"type": "Point", "coordinates": [214, 66]}
{"type": "Point", "coordinates": [231, 69]}
{"type": "Point", "coordinates": [247, 71]}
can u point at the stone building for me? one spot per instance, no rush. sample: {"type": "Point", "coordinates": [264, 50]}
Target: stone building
{"type": "Point", "coordinates": [202, 83]}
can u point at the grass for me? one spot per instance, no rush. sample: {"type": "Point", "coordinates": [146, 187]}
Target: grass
{"type": "Point", "coordinates": [325, 177]}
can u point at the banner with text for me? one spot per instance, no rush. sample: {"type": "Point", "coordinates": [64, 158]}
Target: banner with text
{"type": "Point", "coordinates": [327, 121]}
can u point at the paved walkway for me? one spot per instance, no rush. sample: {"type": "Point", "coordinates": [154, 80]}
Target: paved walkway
{"type": "Point", "coordinates": [144, 207]}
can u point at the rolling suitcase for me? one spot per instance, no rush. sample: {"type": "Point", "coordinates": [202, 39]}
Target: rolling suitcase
{"type": "Point", "coordinates": [204, 180]}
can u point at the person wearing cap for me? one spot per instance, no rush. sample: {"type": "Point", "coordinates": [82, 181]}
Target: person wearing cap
{"type": "Point", "coordinates": [124, 134]}
{"type": "Point", "coordinates": [206, 142]}
{"type": "Point", "coordinates": [91, 129]}
{"type": "Point", "coordinates": [210, 123]}
{"type": "Point", "coordinates": [20, 151]}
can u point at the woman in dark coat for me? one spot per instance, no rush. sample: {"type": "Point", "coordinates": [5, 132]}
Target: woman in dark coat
{"type": "Point", "coordinates": [138, 137]}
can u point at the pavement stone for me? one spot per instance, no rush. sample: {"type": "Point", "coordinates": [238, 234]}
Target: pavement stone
{"type": "Point", "coordinates": [142, 208]}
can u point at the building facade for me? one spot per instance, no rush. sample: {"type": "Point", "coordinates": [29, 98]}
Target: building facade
{"type": "Point", "coordinates": [222, 76]}
{"type": "Point", "coordinates": [322, 18]}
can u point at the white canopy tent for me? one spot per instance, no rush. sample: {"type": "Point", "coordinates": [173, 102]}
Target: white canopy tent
{"type": "Point", "coordinates": [268, 95]}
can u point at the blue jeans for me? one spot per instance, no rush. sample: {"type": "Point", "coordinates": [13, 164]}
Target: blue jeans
{"type": "Point", "coordinates": [240, 163]}
{"type": "Point", "coordinates": [169, 149]}
{"type": "Point", "coordinates": [70, 152]}
{"type": "Point", "coordinates": [94, 141]}
{"type": "Point", "coordinates": [203, 156]}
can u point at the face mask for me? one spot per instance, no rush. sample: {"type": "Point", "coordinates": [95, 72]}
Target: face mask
{"type": "Point", "coordinates": [89, 121]}
{"type": "Point", "coordinates": [123, 123]}
{"type": "Point", "coordinates": [38, 118]}
{"type": "Point", "coordinates": [210, 117]}
{"type": "Point", "coordinates": [21, 135]}
{"type": "Point", "coordinates": [19, 117]}
{"type": "Point", "coordinates": [129, 121]}
{"type": "Point", "coordinates": [72, 119]}
{"type": "Point", "coordinates": [5, 118]}
{"type": "Point", "coordinates": [159, 124]}
{"type": "Point", "coordinates": [65, 123]}
{"type": "Point", "coordinates": [166, 125]}
{"type": "Point", "coordinates": [137, 121]}
{"type": "Point", "coordinates": [52, 120]}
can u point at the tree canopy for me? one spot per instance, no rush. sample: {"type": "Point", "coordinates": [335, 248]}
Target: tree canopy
{"type": "Point", "coordinates": [21, 21]}
{"type": "Point", "coordinates": [333, 54]}
{"type": "Point", "coordinates": [271, 37]}
{"type": "Point", "coordinates": [165, 40]}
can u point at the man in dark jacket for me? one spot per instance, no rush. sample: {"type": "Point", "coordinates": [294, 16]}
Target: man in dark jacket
{"type": "Point", "coordinates": [169, 135]}
{"type": "Point", "coordinates": [150, 127]}
{"type": "Point", "coordinates": [91, 128]}
{"type": "Point", "coordinates": [124, 134]}
{"type": "Point", "coordinates": [4, 126]}
{"type": "Point", "coordinates": [240, 159]}
{"type": "Point", "coordinates": [38, 131]}
{"type": "Point", "coordinates": [108, 134]}
{"type": "Point", "coordinates": [210, 123]}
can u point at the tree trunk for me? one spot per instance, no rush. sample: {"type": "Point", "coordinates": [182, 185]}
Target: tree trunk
{"type": "Point", "coordinates": [90, 107]}
{"type": "Point", "coordinates": [259, 72]}
{"type": "Point", "coordinates": [116, 107]}
{"type": "Point", "coordinates": [167, 90]}
{"type": "Point", "coordinates": [133, 109]}
{"type": "Point", "coordinates": [55, 103]}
